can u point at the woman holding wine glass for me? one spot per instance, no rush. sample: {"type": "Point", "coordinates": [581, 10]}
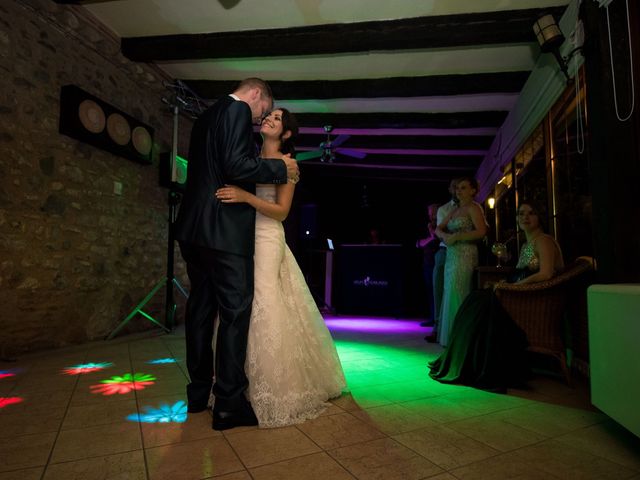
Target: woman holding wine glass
{"type": "Point", "coordinates": [460, 231]}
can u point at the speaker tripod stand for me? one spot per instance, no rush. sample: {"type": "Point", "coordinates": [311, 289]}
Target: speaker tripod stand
{"type": "Point", "coordinates": [169, 281]}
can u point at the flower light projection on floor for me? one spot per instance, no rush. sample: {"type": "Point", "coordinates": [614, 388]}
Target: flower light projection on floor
{"type": "Point", "coordinates": [4, 401]}
{"type": "Point", "coordinates": [165, 413]}
{"type": "Point", "coordinates": [86, 368]}
{"type": "Point", "coordinates": [123, 384]}
{"type": "Point", "coordinates": [162, 361]}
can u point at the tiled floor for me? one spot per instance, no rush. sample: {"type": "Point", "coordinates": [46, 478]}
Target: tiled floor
{"type": "Point", "coordinates": [59, 420]}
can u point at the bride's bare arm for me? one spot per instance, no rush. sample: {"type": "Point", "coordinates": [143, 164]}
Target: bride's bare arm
{"type": "Point", "coordinates": [277, 211]}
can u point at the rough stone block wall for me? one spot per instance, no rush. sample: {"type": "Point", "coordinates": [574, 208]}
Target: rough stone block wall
{"type": "Point", "coordinates": [75, 257]}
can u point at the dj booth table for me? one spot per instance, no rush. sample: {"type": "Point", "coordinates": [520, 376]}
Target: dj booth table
{"type": "Point", "coordinates": [368, 279]}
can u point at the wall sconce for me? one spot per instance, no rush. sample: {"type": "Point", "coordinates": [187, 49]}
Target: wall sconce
{"type": "Point", "coordinates": [550, 38]}
{"type": "Point", "coordinates": [491, 202]}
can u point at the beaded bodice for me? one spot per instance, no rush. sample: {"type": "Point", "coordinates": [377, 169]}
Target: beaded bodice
{"type": "Point", "coordinates": [528, 258]}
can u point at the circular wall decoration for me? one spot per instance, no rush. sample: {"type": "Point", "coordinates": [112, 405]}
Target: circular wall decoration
{"type": "Point", "coordinates": [141, 140]}
{"type": "Point", "coordinates": [91, 116]}
{"type": "Point", "coordinates": [118, 129]}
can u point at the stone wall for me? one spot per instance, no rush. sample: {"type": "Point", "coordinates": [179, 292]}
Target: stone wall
{"type": "Point", "coordinates": [75, 258]}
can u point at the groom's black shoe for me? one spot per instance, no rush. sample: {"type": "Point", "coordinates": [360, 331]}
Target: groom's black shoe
{"type": "Point", "coordinates": [240, 417]}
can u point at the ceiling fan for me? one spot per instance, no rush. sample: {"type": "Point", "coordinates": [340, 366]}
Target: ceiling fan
{"type": "Point", "coordinates": [327, 149]}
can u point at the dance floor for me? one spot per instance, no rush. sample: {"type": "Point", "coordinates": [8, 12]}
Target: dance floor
{"type": "Point", "coordinates": [116, 410]}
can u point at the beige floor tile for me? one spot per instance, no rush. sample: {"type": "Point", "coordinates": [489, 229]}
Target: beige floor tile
{"type": "Point", "coordinates": [170, 399]}
{"type": "Point", "coordinates": [7, 384]}
{"type": "Point", "coordinates": [192, 460]}
{"type": "Point", "coordinates": [46, 383]}
{"type": "Point", "coordinates": [34, 402]}
{"type": "Point", "coordinates": [244, 475]}
{"type": "Point", "coordinates": [496, 433]}
{"type": "Point", "coordinates": [159, 368]}
{"type": "Point", "coordinates": [119, 355]}
{"type": "Point", "coordinates": [384, 459]}
{"type": "Point", "coordinates": [29, 422]}
{"type": "Point", "coordinates": [567, 463]}
{"type": "Point", "coordinates": [410, 390]}
{"type": "Point", "coordinates": [96, 441]}
{"type": "Point", "coordinates": [369, 397]}
{"type": "Point", "coordinates": [502, 467]}
{"type": "Point", "coordinates": [56, 362]}
{"type": "Point", "coordinates": [197, 427]}
{"type": "Point", "coordinates": [575, 396]}
{"type": "Point", "coordinates": [161, 389]}
{"type": "Point", "coordinates": [442, 409]}
{"type": "Point", "coordinates": [82, 416]}
{"type": "Point", "coordinates": [431, 423]}
{"type": "Point", "coordinates": [129, 466]}
{"type": "Point", "coordinates": [444, 388]}
{"type": "Point", "coordinates": [339, 431]}
{"type": "Point", "coordinates": [318, 466]}
{"type": "Point", "coordinates": [445, 447]}
{"type": "Point", "coordinates": [549, 419]}
{"type": "Point", "coordinates": [25, 451]}
{"type": "Point", "coordinates": [28, 474]}
{"type": "Point", "coordinates": [346, 402]}
{"type": "Point", "coordinates": [332, 409]}
{"type": "Point", "coordinates": [393, 419]}
{"type": "Point", "coordinates": [607, 440]}
{"type": "Point", "coordinates": [263, 446]}
{"type": "Point", "coordinates": [486, 402]}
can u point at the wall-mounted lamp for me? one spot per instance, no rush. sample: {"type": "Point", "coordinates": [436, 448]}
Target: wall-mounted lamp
{"type": "Point", "coordinates": [550, 38]}
{"type": "Point", "coordinates": [491, 202]}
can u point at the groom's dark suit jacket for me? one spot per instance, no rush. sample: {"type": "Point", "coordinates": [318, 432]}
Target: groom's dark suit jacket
{"type": "Point", "coordinates": [222, 151]}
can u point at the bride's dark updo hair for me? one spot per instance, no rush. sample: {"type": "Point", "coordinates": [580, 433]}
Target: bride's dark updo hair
{"type": "Point", "coordinates": [289, 123]}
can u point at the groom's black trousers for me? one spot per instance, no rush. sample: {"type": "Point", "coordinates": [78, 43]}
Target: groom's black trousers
{"type": "Point", "coordinates": [222, 284]}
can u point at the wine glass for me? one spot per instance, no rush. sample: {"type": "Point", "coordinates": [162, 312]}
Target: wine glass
{"type": "Point", "coordinates": [500, 251]}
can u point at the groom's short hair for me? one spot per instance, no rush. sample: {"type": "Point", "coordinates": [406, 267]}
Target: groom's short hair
{"type": "Point", "coordinates": [254, 82]}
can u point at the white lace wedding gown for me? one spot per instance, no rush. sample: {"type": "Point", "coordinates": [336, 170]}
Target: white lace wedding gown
{"type": "Point", "coordinates": [292, 363]}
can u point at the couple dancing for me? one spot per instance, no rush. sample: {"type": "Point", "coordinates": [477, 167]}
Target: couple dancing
{"type": "Point", "coordinates": [275, 361]}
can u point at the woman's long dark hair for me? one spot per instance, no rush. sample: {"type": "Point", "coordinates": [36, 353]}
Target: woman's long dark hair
{"type": "Point", "coordinates": [289, 123]}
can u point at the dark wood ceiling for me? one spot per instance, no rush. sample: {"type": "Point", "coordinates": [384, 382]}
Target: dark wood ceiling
{"type": "Point", "coordinates": [424, 107]}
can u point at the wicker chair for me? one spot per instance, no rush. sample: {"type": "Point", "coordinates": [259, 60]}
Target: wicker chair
{"type": "Point", "coordinates": [539, 308]}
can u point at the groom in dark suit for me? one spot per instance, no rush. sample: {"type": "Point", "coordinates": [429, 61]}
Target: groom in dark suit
{"type": "Point", "coordinates": [217, 243]}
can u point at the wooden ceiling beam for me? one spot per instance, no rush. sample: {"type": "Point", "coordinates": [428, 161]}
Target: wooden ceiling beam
{"type": "Point", "coordinates": [404, 119]}
{"type": "Point", "coordinates": [444, 31]}
{"type": "Point", "coordinates": [436, 85]}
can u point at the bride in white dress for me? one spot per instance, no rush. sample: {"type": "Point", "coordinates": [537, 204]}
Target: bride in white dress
{"type": "Point", "coordinates": [292, 363]}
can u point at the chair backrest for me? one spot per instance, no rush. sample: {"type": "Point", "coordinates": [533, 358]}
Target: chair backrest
{"type": "Point", "coordinates": [579, 265]}
{"type": "Point", "coordinates": [539, 308]}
